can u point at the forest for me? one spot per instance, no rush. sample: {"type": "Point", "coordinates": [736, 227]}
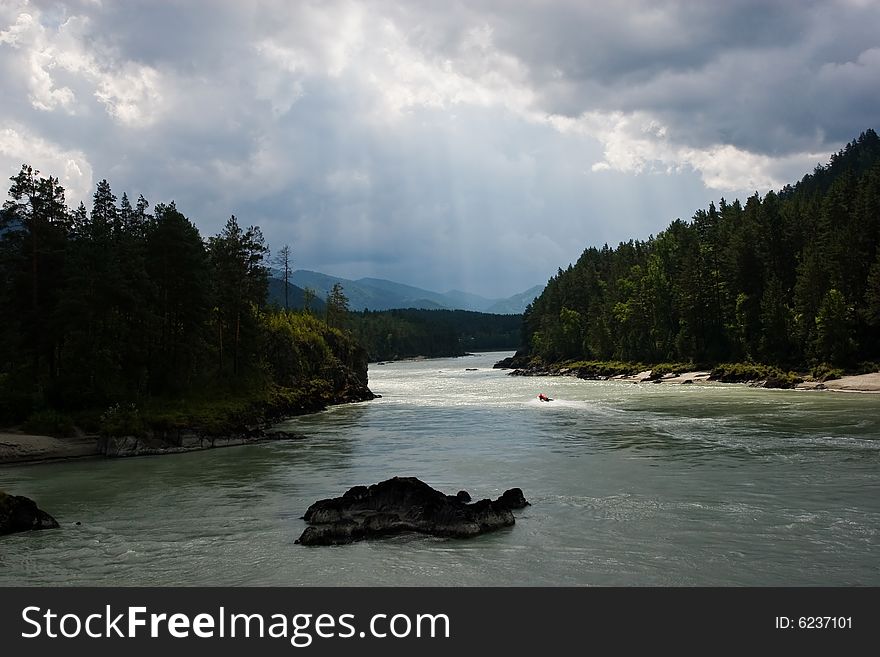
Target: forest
{"type": "Point", "coordinates": [394, 334]}
{"type": "Point", "coordinates": [790, 279]}
{"type": "Point", "coordinates": [118, 315]}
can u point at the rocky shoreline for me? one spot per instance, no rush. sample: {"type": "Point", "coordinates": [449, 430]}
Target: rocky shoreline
{"type": "Point", "coordinates": [18, 447]}
{"type": "Point", "coordinates": [186, 441]}
{"type": "Point", "coordinates": [176, 426]}
{"type": "Point", "coordinates": [21, 448]}
{"type": "Point", "coordinates": [523, 366]}
{"type": "Point", "coordinates": [588, 374]}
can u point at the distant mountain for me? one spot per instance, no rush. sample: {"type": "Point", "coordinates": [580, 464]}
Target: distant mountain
{"type": "Point", "coordinates": [382, 294]}
{"type": "Point", "coordinates": [372, 294]}
{"type": "Point", "coordinates": [295, 296]}
{"type": "Point", "coordinates": [406, 294]}
{"type": "Point", "coordinates": [516, 304]}
{"type": "Point", "coordinates": [468, 301]}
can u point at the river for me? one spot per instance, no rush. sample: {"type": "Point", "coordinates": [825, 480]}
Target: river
{"type": "Point", "coordinates": [630, 484]}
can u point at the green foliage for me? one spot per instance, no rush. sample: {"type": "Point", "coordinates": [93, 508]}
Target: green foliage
{"type": "Point", "coordinates": [789, 279]}
{"type": "Point", "coordinates": [833, 342]}
{"type": "Point", "coordinates": [296, 345]}
{"type": "Point", "coordinates": [49, 423]}
{"type": "Point", "coordinates": [180, 316]}
{"type": "Point", "coordinates": [604, 369]}
{"type": "Point", "coordinates": [309, 395]}
{"type": "Point", "coordinates": [825, 372]}
{"type": "Point", "coordinates": [121, 420]}
{"type": "Point", "coordinates": [661, 370]}
{"type": "Point", "coordinates": [129, 322]}
{"type": "Point", "coordinates": [240, 286]}
{"type": "Point", "coordinates": [754, 372]}
{"type": "Point", "coordinates": [337, 307]}
{"type": "Point", "coordinates": [393, 334]}
{"type": "Point", "coordinates": [871, 310]}
{"type": "Point", "coordinates": [740, 372]}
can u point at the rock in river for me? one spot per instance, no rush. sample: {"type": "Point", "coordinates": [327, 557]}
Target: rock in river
{"type": "Point", "coordinates": [405, 504]}
{"type": "Point", "coordinates": [20, 514]}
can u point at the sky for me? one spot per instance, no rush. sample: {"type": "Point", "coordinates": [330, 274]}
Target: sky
{"type": "Point", "coordinates": [474, 145]}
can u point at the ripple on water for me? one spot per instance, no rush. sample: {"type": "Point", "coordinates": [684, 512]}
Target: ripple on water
{"type": "Point", "coordinates": [630, 485]}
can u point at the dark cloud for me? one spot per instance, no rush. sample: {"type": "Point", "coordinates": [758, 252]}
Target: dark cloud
{"type": "Point", "coordinates": [762, 76]}
{"type": "Point", "coordinates": [476, 145]}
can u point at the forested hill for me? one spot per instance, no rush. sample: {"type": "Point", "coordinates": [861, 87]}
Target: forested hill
{"type": "Point", "coordinates": [392, 334]}
{"type": "Point", "coordinates": [790, 279]}
{"type": "Point", "coordinates": [121, 312]}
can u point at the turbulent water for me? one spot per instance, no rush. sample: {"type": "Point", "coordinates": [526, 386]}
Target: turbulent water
{"type": "Point", "coordinates": [629, 484]}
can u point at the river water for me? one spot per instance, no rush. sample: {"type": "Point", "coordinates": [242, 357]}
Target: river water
{"type": "Point", "coordinates": [630, 485]}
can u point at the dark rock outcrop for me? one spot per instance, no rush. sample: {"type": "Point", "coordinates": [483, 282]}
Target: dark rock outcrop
{"type": "Point", "coordinates": [21, 514]}
{"type": "Point", "coordinates": [518, 361]}
{"type": "Point", "coordinates": [781, 381]}
{"type": "Point", "coordinates": [348, 377]}
{"type": "Point", "coordinates": [405, 504]}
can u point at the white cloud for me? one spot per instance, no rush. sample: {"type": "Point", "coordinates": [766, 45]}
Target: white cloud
{"type": "Point", "coordinates": [18, 146]}
{"type": "Point", "coordinates": [639, 143]}
{"type": "Point", "coordinates": [26, 34]}
{"type": "Point", "coordinates": [131, 95]}
{"type": "Point", "coordinates": [129, 91]}
{"type": "Point", "coordinates": [401, 78]}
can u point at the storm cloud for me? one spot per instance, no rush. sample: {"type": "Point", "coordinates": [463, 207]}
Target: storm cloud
{"type": "Point", "coordinates": [475, 145]}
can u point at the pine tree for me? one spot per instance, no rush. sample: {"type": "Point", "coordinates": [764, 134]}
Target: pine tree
{"type": "Point", "coordinates": [833, 343]}
{"type": "Point", "coordinates": [284, 262]}
{"type": "Point", "coordinates": [337, 307]}
{"type": "Point", "coordinates": [33, 234]}
{"type": "Point", "coordinates": [241, 285]}
{"type": "Point", "coordinates": [178, 270]}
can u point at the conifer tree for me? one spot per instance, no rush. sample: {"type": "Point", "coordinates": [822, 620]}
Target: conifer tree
{"type": "Point", "coordinates": [240, 284]}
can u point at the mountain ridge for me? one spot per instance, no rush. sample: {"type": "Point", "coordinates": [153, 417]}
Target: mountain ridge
{"type": "Point", "coordinates": [370, 293]}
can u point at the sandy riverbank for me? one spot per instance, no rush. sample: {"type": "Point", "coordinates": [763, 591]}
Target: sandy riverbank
{"type": "Point", "coordinates": [684, 377]}
{"type": "Point", "coordinates": [857, 383]}
{"type": "Point", "coordinates": [23, 448]}
{"type": "Point", "coordinates": [866, 383]}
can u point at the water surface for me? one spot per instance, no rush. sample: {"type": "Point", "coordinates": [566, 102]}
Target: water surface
{"type": "Point", "coordinates": [630, 485]}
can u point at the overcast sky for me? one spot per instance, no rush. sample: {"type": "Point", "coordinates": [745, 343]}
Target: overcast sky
{"type": "Point", "coordinates": [476, 145]}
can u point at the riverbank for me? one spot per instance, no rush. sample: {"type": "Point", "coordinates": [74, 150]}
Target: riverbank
{"type": "Point", "coordinates": [23, 448]}
{"type": "Point", "coordinates": [173, 428]}
{"type": "Point", "coordinates": [869, 383]}
{"type": "Point", "coordinates": [755, 376]}
{"type": "Point", "coordinates": [417, 359]}
{"type": "Point", "coordinates": [865, 383]}
{"type": "Point", "coordinates": [19, 447]}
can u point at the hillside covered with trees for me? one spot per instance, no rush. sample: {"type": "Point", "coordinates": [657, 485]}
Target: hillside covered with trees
{"type": "Point", "coordinates": [392, 334]}
{"type": "Point", "coordinates": [791, 280]}
{"type": "Point", "coordinates": [116, 307]}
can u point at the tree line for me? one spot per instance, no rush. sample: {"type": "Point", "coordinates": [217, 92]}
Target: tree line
{"type": "Point", "coordinates": [405, 333]}
{"type": "Point", "coordinates": [791, 279]}
{"type": "Point", "coordinates": [121, 303]}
